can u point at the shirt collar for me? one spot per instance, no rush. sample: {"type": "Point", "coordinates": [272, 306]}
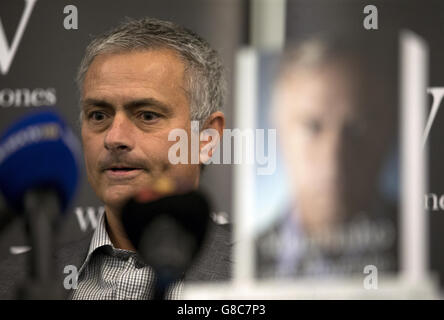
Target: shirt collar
{"type": "Point", "coordinates": [100, 239]}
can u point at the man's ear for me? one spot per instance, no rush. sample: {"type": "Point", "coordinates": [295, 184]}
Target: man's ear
{"type": "Point", "coordinates": [210, 136]}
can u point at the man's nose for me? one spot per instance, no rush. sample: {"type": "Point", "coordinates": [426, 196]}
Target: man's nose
{"type": "Point", "coordinates": [119, 136]}
{"type": "Point", "coordinates": [342, 161]}
{"type": "Point", "coordinates": [334, 166]}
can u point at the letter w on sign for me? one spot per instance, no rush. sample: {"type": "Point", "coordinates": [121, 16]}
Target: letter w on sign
{"type": "Point", "coordinates": [88, 217]}
{"type": "Point", "coordinates": [437, 94]}
{"type": "Point", "coordinates": [7, 52]}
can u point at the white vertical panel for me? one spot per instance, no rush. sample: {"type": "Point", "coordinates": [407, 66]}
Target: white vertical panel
{"type": "Point", "coordinates": [268, 23]}
{"type": "Point", "coordinates": [244, 174]}
{"type": "Point", "coordinates": [414, 75]}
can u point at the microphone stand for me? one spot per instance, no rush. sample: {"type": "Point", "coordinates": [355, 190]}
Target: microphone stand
{"type": "Point", "coordinates": [168, 248]}
{"type": "Point", "coordinates": [41, 211]}
{"type": "Point", "coordinates": [7, 215]}
{"type": "Point", "coordinates": [168, 234]}
{"type": "Point", "coordinates": [160, 287]}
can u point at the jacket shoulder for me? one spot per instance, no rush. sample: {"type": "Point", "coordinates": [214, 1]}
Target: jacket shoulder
{"type": "Point", "coordinates": [214, 262]}
{"type": "Point", "coordinates": [14, 268]}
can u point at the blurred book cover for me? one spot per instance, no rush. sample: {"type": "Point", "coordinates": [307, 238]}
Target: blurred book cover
{"type": "Point", "coordinates": [331, 207]}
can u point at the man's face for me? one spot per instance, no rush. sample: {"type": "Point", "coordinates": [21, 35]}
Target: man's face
{"type": "Point", "coordinates": [131, 101]}
{"type": "Point", "coordinates": [334, 135]}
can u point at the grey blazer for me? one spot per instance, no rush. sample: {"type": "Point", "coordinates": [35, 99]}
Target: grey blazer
{"type": "Point", "coordinates": [212, 264]}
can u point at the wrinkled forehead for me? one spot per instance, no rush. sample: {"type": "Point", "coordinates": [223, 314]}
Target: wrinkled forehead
{"type": "Point", "coordinates": [139, 65]}
{"type": "Point", "coordinates": [135, 75]}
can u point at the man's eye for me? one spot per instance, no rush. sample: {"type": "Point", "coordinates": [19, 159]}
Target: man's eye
{"type": "Point", "coordinates": [313, 126]}
{"type": "Point", "coordinates": [148, 116]}
{"type": "Point", "coordinates": [96, 116]}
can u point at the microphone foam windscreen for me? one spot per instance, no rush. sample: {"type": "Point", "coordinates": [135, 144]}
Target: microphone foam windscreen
{"type": "Point", "coordinates": [39, 151]}
{"type": "Point", "coordinates": [161, 228]}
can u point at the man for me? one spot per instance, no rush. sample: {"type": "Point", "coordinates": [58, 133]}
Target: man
{"type": "Point", "coordinates": [138, 82]}
{"type": "Point", "coordinates": [335, 112]}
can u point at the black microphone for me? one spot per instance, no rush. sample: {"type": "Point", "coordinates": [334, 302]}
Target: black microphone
{"type": "Point", "coordinates": [167, 233]}
{"type": "Point", "coordinates": [39, 168]}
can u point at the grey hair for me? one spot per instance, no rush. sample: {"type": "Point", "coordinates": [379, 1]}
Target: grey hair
{"type": "Point", "coordinates": [204, 73]}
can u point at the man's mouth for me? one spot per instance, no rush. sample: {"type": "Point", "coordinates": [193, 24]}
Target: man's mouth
{"type": "Point", "coordinates": [121, 169]}
{"type": "Point", "coordinates": [122, 172]}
